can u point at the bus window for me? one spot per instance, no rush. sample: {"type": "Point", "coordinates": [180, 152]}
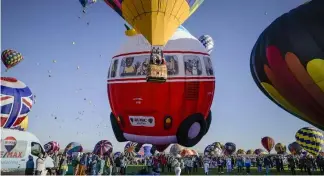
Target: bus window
{"type": "Point", "coordinates": [172, 64]}
{"type": "Point", "coordinates": [36, 149]}
{"type": "Point", "coordinates": [114, 68]}
{"type": "Point", "coordinates": [192, 65]}
{"type": "Point", "coordinates": [209, 66]}
{"type": "Point", "coordinates": [134, 66]}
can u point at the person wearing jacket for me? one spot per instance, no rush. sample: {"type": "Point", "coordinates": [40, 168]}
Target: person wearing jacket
{"type": "Point", "coordinates": [248, 165]}
{"type": "Point", "coordinates": [40, 165]}
{"type": "Point", "coordinates": [30, 165]}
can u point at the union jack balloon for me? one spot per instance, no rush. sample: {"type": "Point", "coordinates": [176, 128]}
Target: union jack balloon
{"type": "Point", "coordinates": [16, 102]}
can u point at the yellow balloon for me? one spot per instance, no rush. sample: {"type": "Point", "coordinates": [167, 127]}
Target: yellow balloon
{"type": "Point", "coordinates": [24, 124]}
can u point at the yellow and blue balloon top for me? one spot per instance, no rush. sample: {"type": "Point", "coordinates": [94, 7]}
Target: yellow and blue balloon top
{"type": "Point", "coordinates": [156, 20]}
{"type": "Point", "coordinates": [310, 139]}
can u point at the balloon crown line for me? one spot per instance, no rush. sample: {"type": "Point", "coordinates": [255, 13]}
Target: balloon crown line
{"type": "Point", "coordinates": [129, 32]}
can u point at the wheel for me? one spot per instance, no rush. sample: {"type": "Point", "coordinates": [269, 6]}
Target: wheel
{"type": "Point", "coordinates": [208, 121]}
{"type": "Point", "coordinates": [191, 130]}
{"type": "Point", "coordinates": [117, 131]}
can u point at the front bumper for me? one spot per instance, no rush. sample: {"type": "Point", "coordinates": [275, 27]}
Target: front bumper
{"type": "Point", "coordinates": [155, 140]}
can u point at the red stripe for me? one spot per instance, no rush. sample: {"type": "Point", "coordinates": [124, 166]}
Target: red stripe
{"type": "Point", "coordinates": [5, 98]}
{"type": "Point", "coordinates": [173, 78]}
{"type": "Point", "coordinates": [149, 52]}
{"type": "Point", "coordinates": [8, 79]}
{"type": "Point", "coordinates": [27, 103]}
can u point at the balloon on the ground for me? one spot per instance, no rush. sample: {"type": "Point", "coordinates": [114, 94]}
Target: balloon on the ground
{"type": "Point", "coordinates": [11, 58]}
{"type": "Point", "coordinates": [103, 148]}
{"type": "Point", "coordinates": [147, 151]}
{"type": "Point", "coordinates": [310, 139]}
{"type": "Point", "coordinates": [294, 148]}
{"type": "Point", "coordinates": [117, 154]}
{"type": "Point", "coordinates": [208, 150]}
{"type": "Point", "coordinates": [249, 152]}
{"type": "Point", "coordinates": [259, 151]}
{"type": "Point", "coordinates": [73, 147]}
{"type": "Point", "coordinates": [52, 147]}
{"type": "Point", "coordinates": [16, 102]}
{"type": "Point", "coordinates": [175, 149]}
{"type": "Point", "coordinates": [129, 149]}
{"type": "Point", "coordinates": [240, 152]}
{"type": "Point", "coordinates": [280, 148]}
{"type": "Point", "coordinates": [285, 63]}
{"type": "Point", "coordinates": [156, 20]}
{"type": "Point", "coordinates": [208, 42]}
{"type": "Point", "coordinates": [268, 143]}
{"type": "Point", "coordinates": [230, 148]}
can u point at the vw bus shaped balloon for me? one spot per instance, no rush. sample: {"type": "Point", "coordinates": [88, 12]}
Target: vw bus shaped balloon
{"type": "Point", "coordinates": [176, 111]}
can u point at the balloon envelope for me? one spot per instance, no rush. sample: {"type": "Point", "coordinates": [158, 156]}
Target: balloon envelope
{"type": "Point", "coordinates": [73, 147]}
{"type": "Point", "coordinates": [11, 58]}
{"type": "Point", "coordinates": [310, 139]}
{"type": "Point", "coordinates": [280, 148]}
{"type": "Point", "coordinates": [129, 149]}
{"type": "Point", "coordinates": [16, 102]}
{"type": "Point", "coordinates": [156, 20]}
{"type": "Point", "coordinates": [52, 147]}
{"type": "Point", "coordinates": [230, 148]}
{"type": "Point", "coordinates": [103, 148]}
{"type": "Point", "coordinates": [268, 143]}
{"type": "Point", "coordinates": [294, 148]}
{"type": "Point", "coordinates": [285, 63]}
{"type": "Point", "coordinates": [208, 42]}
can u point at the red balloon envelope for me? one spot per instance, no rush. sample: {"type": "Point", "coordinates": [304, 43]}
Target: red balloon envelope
{"type": "Point", "coordinates": [268, 143]}
{"type": "Point", "coordinates": [177, 111]}
{"type": "Point", "coordinates": [52, 147]}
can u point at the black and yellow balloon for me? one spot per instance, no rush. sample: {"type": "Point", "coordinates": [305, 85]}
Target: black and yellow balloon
{"type": "Point", "coordinates": [156, 20]}
{"type": "Point", "coordinates": [310, 139]}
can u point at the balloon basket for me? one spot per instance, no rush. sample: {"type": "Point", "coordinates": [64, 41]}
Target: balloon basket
{"type": "Point", "coordinates": [157, 73]}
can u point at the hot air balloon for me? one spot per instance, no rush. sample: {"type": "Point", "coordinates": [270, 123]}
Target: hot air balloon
{"type": "Point", "coordinates": [186, 152]}
{"type": "Point", "coordinates": [175, 149]}
{"type": "Point", "coordinates": [249, 152]}
{"type": "Point", "coordinates": [73, 147]}
{"type": "Point", "coordinates": [268, 143]}
{"type": "Point", "coordinates": [280, 148]}
{"type": "Point", "coordinates": [103, 148]}
{"type": "Point", "coordinates": [52, 147]}
{"type": "Point", "coordinates": [86, 3]}
{"type": "Point", "coordinates": [147, 151]}
{"type": "Point", "coordinates": [16, 102]}
{"type": "Point", "coordinates": [230, 148]}
{"type": "Point", "coordinates": [117, 154]}
{"type": "Point", "coordinates": [129, 150]}
{"type": "Point", "coordinates": [287, 60]}
{"type": "Point", "coordinates": [161, 114]}
{"type": "Point", "coordinates": [240, 152]}
{"type": "Point", "coordinates": [11, 58]}
{"type": "Point", "coordinates": [259, 151]}
{"type": "Point", "coordinates": [208, 149]}
{"type": "Point", "coordinates": [208, 42]}
{"type": "Point", "coordinates": [294, 148]}
{"type": "Point", "coordinates": [310, 139]}
{"type": "Point", "coordinates": [157, 21]}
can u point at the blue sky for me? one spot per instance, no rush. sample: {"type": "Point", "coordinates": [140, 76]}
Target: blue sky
{"type": "Point", "coordinates": [44, 30]}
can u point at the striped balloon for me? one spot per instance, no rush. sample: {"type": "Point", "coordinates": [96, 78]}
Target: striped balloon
{"type": "Point", "coordinates": [103, 148]}
{"type": "Point", "coordinates": [129, 150]}
{"type": "Point", "coordinates": [310, 139]}
{"type": "Point", "coordinates": [208, 42]}
{"type": "Point", "coordinates": [268, 143]}
{"type": "Point", "coordinates": [52, 147]}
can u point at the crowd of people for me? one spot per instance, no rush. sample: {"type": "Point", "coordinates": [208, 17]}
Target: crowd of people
{"type": "Point", "coordinates": [91, 164]}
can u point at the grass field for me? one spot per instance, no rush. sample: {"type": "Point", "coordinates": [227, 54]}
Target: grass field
{"type": "Point", "coordinates": [131, 170]}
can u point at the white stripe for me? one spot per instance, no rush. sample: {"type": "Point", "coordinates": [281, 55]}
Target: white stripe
{"type": "Point", "coordinates": [176, 80]}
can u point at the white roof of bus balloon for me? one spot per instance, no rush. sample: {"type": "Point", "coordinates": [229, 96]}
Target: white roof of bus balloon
{"type": "Point", "coordinates": [181, 40]}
